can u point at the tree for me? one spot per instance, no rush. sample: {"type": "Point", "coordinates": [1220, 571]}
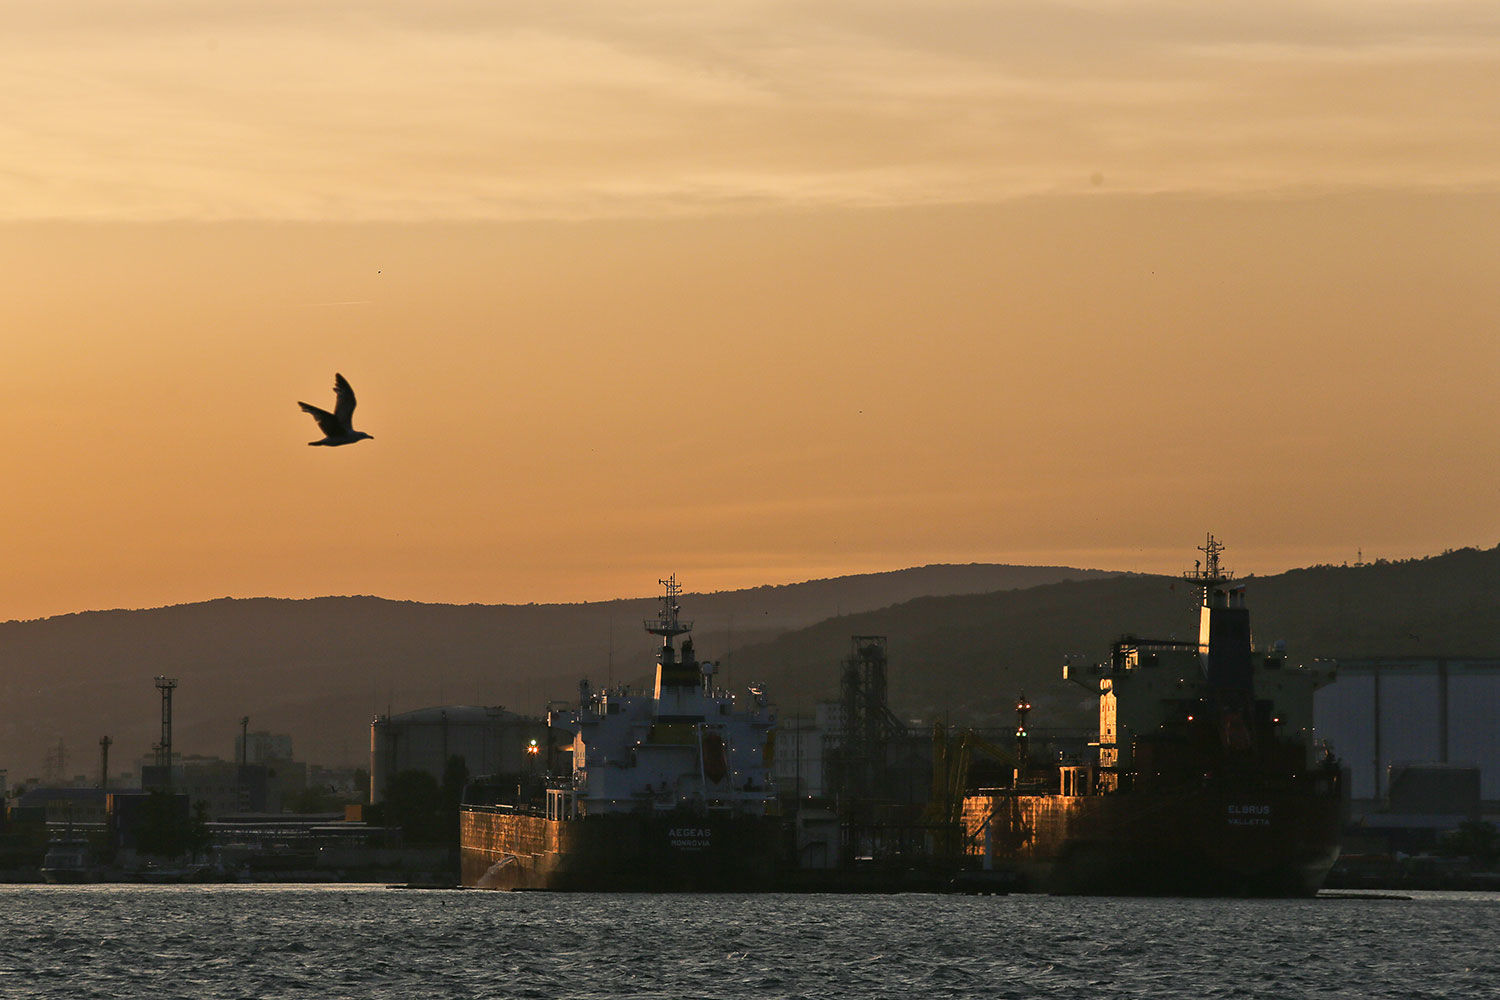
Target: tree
{"type": "Point", "coordinates": [168, 829]}
{"type": "Point", "coordinates": [414, 802]}
{"type": "Point", "coordinates": [455, 777]}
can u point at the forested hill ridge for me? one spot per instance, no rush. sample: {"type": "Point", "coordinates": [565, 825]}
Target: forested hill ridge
{"type": "Point", "coordinates": [966, 658]}
{"type": "Point", "coordinates": [319, 669]}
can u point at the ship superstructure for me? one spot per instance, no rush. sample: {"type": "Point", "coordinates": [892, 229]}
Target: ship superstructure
{"type": "Point", "coordinates": [685, 746]}
{"type": "Point", "coordinates": [1161, 701]}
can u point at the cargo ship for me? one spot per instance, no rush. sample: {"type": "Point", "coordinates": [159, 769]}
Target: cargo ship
{"type": "Point", "coordinates": [1206, 778]}
{"type": "Point", "coordinates": [661, 791]}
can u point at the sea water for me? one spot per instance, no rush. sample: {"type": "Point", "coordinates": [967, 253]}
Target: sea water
{"type": "Point", "coordinates": [212, 942]}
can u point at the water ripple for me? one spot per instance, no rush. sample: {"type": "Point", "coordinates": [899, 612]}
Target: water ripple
{"type": "Point", "coordinates": [222, 942]}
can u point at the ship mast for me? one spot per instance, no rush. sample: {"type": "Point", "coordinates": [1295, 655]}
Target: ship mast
{"type": "Point", "coordinates": [670, 672]}
{"type": "Point", "coordinates": [1208, 576]}
{"type": "Point", "coordinates": [666, 623]}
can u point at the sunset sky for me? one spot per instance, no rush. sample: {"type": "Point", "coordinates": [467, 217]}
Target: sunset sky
{"type": "Point", "coordinates": [752, 292]}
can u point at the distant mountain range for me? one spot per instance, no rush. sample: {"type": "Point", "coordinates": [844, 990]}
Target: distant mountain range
{"type": "Point", "coordinates": [963, 642]}
{"type": "Point", "coordinates": [320, 669]}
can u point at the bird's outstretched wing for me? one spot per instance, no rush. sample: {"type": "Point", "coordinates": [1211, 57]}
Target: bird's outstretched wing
{"type": "Point", "coordinates": [328, 423]}
{"type": "Point", "coordinates": [344, 401]}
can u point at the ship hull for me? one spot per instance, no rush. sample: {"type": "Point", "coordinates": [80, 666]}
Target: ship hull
{"type": "Point", "coordinates": [1191, 842]}
{"type": "Point", "coordinates": [663, 852]}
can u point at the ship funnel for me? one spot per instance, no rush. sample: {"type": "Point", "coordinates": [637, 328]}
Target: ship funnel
{"type": "Point", "coordinates": [1224, 647]}
{"type": "Point", "coordinates": [1223, 629]}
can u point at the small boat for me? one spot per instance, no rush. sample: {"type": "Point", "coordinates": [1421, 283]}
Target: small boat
{"type": "Point", "coordinates": [69, 861]}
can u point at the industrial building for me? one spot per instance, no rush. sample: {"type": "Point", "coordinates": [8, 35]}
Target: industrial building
{"type": "Point", "coordinates": [225, 788]}
{"type": "Point", "coordinates": [65, 807]}
{"type": "Point", "coordinates": [489, 741]}
{"type": "Point", "coordinates": [803, 746]}
{"type": "Point", "coordinates": [1384, 714]}
{"type": "Point", "coordinates": [262, 747]}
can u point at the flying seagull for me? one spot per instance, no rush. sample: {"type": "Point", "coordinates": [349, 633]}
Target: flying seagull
{"type": "Point", "coordinates": [338, 426]}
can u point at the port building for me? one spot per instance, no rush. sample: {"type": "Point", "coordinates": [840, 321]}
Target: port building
{"type": "Point", "coordinates": [1383, 716]}
{"type": "Point", "coordinates": [489, 740]}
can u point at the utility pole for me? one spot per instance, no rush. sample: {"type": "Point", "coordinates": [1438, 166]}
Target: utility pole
{"type": "Point", "coordinates": [243, 775]}
{"type": "Point", "coordinates": [104, 742]}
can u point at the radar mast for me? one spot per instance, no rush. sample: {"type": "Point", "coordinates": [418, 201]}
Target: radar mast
{"type": "Point", "coordinates": [666, 623]}
{"type": "Point", "coordinates": [1207, 572]}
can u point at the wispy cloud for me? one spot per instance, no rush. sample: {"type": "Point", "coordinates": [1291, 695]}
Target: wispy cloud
{"type": "Point", "coordinates": [404, 110]}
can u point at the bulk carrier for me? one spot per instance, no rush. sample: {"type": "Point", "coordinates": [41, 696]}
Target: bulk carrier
{"type": "Point", "coordinates": [665, 791]}
{"type": "Point", "coordinates": [1207, 779]}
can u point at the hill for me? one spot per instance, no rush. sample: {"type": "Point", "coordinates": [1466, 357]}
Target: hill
{"type": "Point", "coordinates": [967, 657]}
{"type": "Point", "coordinates": [319, 669]}
{"type": "Point", "coordinates": [963, 641]}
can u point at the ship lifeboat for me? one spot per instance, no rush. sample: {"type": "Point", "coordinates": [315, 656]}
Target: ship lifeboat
{"type": "Point", "coordinates": [715, 760]}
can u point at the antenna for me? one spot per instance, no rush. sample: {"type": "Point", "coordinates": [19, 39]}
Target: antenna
{"type": "Point", "coordinates": [1207, 572]}
{"type": "Point", "coordinates": [667, 623]}
{"type": "Point", "coordinates": [1212, 549]}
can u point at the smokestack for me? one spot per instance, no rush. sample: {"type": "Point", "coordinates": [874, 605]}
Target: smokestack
{"type": "Point", "coordinates": [166, 685]}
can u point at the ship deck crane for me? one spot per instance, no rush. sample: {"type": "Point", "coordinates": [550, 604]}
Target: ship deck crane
{"type": "Point", "coordinates": [952, 757]}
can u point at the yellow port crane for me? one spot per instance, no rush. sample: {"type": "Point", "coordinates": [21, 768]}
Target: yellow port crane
{"type": "Point", "coordinates": [951, 758]}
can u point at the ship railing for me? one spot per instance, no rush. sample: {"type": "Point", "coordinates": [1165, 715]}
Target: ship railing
{"type": "Point", "coordinates": [1156, 645]}
{"type": "Point", "coordinates": [657, 626]}
{"type": "Point", "coordinates": [503, 809]}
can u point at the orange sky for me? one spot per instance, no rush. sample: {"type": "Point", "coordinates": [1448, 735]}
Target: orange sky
{"type": "Point", "coordinates": [752, 292]}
